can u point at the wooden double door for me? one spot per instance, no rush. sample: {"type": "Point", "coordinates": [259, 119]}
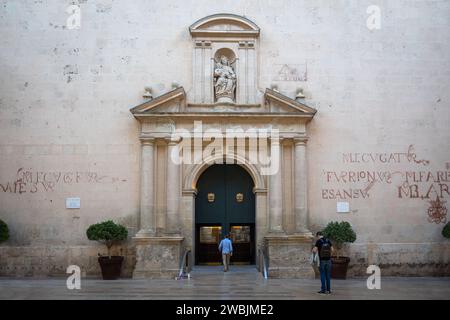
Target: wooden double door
{"type": "Point", "coordinates": [225, 204]}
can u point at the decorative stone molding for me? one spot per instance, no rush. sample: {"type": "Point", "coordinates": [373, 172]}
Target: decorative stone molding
{"type": "Point", "coordinates": [195, 171]}
{"type": "Point", "coordinates": [275, 96]}
{"type": "Point", "coordinates": [246, 45]}
{"type": "Point", "coordinates": [160, 100]}
{"type": "Point", "coordinates": [148, 93]}
{"type": "Point", "coordinates": [237, 26]}
{"type": "Point", "coordinates": [300, 140]}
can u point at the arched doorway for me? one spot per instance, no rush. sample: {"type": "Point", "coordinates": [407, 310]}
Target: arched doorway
{"type": "Point", "coordinates": [225, 203]}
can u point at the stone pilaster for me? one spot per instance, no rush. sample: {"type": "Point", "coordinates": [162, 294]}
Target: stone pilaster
{"type": "Point", "coordinates": [300, 187]}
{"type": "Point", "coordinates": [275, 190]}
{"type": "Point", "coordinates": [173, 189]}
{"type": "Point", "coordinates": [147, 201]}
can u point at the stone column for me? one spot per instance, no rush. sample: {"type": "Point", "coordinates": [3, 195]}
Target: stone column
{"type": "Point", "coordinates": [276, 191]}
{"type": "Point", "coordinates": [173, 188]}
{"type": "Point", "coordinates": [300, 187]}
{"type": "Point", "coordinates": [147, 223]}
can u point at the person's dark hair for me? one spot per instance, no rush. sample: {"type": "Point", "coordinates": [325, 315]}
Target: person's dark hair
{"type": "Point", "coordinates": [227, 236]}
{"type": "Point", "coordinates": [319, 233]}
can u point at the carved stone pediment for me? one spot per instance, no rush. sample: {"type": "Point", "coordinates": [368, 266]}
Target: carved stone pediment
{"type": "Point", "coordinates": [274, 98]}
{"type": "Point", "coordinates": [172, 98]}
{"type": "Point", "coordinates": [173, 105]}
{"type": "Point", "coordinates": [220, 25]}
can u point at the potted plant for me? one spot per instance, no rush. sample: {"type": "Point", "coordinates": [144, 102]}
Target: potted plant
{"type": "Point", "coordinates": [446, 231]}
{"type": "Point", "coordinates": [339, 233]}
{"type": "Point", "coordinates": [4, 231]}
{"type": "Point", "coordinates": [109, 234]}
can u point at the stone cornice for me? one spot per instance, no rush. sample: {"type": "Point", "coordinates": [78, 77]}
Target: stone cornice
{"type": "Point", "coordinates": [225, 115]}
{"type": "Point", "coordinates": [156, 239]}
{"type": "Point", "coordinates": [287, 239]}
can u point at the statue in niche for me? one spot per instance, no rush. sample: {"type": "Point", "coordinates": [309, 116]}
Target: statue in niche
{"type": "Point", "coordinates": [224, 80]}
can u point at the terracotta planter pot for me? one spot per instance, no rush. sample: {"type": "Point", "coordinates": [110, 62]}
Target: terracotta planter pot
{"type": "Point", "coordinates": [339, 267]}
{"type": "Point", "coordinates": [111, 267]}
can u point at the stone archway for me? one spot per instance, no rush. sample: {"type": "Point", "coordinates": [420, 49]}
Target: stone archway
{"type": "Point", "coordinates": [190, 192]}
{"type": "Point", "coordinates": [196, 170]}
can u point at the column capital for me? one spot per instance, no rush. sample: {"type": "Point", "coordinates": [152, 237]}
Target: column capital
{"type": "Point", "coordinates": [300, 141]}
{"type": "Point", "coordinates": [171, 141]}
{"type": "Point", "coordinates": [203, 44]}
{"type": "Point", "coordinates": [277, 141]}
{"type": "Point", "coordinates": [259, 191]}
{"type": "Point", "coordinates": [147, 141]}
{"type": "Point", "coordinates": [189, 192]}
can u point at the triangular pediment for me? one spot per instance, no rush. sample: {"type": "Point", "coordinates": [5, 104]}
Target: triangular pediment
{"type": "Point", "coordinates": [287, 104]}
{"type": "Point", "coordinates": [174, 104]}
{"type": "Point", "coordinates": [160, 103]}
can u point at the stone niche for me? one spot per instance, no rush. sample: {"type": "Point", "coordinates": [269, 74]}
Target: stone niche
{"type": "Point", "coordinates": [216, 81]}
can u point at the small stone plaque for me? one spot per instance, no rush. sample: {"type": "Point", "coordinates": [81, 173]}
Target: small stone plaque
{"type": "Point", "coordinates": [73, 203]}
{"type": "Point", "coordinates": [343, 207]}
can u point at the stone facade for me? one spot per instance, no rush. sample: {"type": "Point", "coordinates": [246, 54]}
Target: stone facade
{"type": "Point", "coordinates": [377, 140]}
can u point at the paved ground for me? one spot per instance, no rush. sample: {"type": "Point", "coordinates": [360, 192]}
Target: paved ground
{"type": "Point", "coordinates": [243, 282]}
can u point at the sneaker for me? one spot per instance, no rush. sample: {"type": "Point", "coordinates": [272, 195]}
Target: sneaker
{"type": "Point", "coordinates": [328, 292]}
{"type": "Point", "coordinates": [321, 292]}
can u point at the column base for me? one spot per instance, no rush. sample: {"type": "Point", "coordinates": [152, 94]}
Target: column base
{"type": "Point", "coordinates": [289, 255]}
{"type": "Point", "coordinates": [145, 233]}
{"type": "Point", "coordinates": [304, 233]}
{"type": "Point", "coordinates": [157, 257]}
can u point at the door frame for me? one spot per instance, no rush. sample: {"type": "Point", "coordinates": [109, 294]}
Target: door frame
{"type": "Point", "coordinates": [189, 193]}
{"type": "Point", "coordinates": [225, 224]}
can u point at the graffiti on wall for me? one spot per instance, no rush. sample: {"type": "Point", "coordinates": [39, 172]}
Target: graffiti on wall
{"type": "Point", "coordinates": [437, 212]}
{"type": "Point", "coordinates": [30, 181]}
{"type": "Point", "coordinates": [427, 185]}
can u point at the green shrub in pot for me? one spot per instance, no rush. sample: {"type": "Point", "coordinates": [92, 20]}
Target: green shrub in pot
{"type": "Point", "coordinates": [339, 233]}
{"type": "Point", "coordinates": [108, 233]}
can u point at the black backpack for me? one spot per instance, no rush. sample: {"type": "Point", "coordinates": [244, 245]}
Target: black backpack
{"type": "Point", "coordinates": [325, 249]}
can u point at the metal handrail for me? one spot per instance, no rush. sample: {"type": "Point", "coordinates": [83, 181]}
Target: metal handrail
{"type": "Point", "coordinates": [263, 263]}
{"type": "Point", "coordinates": [186, 264]}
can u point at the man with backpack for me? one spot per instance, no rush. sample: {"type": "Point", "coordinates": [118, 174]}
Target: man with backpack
{"type": "Point", "coordinates": [324, 248]}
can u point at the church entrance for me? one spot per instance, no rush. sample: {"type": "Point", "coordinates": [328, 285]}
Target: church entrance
{"type": "Point", "coordinates": [225, 203]}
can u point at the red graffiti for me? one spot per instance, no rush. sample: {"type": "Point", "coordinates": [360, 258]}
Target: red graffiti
{"type": "Point", "coordinates": [437, 212]}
